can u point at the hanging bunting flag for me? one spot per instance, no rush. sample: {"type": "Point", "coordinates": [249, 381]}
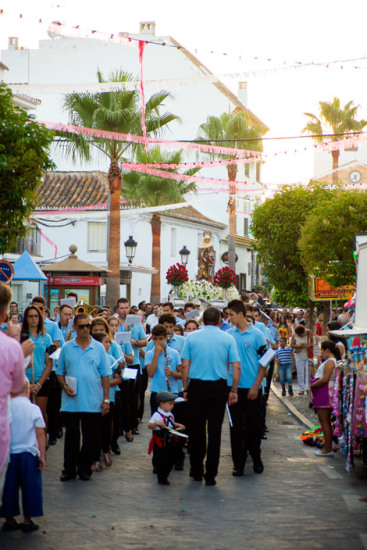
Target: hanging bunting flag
{"type": "Point", "coordinates": [142, 45]}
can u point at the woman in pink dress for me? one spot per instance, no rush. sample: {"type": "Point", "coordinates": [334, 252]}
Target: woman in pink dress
{"type": "Point", "coordinates": [322, 388]}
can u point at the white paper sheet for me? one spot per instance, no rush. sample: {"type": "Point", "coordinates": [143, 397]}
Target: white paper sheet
{"type": "Point", "coordinates": [129, 374]}
{"type": "Point", "coordinates": [55, 354]}
{"type": "Point", "coordinates": [267, 357]}
{"type": "Point", "coordinates": [132, 320]}
{"type": "Point", "coordinates": [72, 382]}
{"type": "Point", "coordinates": [123, 337]}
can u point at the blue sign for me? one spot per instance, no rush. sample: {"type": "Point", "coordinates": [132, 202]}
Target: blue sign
{"type": "Point", "coordinates": [6, 271]}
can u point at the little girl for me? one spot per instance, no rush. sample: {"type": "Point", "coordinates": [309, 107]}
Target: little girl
{"type": "Point", "coordinates": [322, 388]}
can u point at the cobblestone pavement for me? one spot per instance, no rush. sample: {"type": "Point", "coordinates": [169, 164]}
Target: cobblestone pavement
{"type": "Point", "coordinates": [299, 502]}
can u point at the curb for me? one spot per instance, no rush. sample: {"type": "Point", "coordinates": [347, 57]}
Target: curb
{"type": "Point", "coordinates": [286, 402]}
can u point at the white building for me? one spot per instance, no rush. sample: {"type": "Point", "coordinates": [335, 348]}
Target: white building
{"type": "Point", "coordinates": [60, 65]}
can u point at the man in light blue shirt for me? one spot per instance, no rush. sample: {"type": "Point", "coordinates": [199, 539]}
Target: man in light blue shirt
{"type": "Point", "coordinates": [138, 341]}
{"type": "Point", "coordinates": [85, 361]}
{"type": "Point", "coordinates": [247, 413]}
{"type": "Point", "coordinates": [205, 360]}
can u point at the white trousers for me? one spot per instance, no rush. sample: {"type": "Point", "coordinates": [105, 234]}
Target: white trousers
{"type": "Point", "coordinates": [302, 374]}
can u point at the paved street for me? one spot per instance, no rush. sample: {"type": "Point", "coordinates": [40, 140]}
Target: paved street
{"type": "Point", "coordinates": [300, 501]}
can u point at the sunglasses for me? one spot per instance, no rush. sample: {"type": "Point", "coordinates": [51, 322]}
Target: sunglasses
{"type": "Point", "coordinates": [83, 326]}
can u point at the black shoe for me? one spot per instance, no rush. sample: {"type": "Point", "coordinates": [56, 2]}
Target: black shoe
{"type": "Point", "coordinates": [195, 477]}
{"type": "Point", "coordinates": [258, 466]}
{"type": "Point", "coordinates": [66, 476]}
{"type": "Point", "coordinates": [84, 476]}
{"type": "Point", "coordinates": [135, 431]}
{"type": "Point", "coordinates": [59, 434]}
{"type": "Point", "coordinates": [210, 482]}
{"type": "Point", "coordinates": [284, 393]}
{"type": "Point", "coordinates": [52, 440]}
{"type": "Point", "coordinates": [163, 482]}
{"type": "Point", "coordinates": [238, 472]}
{"type": "Point", "coordinates": [264, 436]}
{"type": "Point", "coordinates": [14, 526]}
{"type": "Point", "coordinates": [29, 527]}
{"type": "Point", "coordinates": [115, 449]}
{"type": "Point", "coordinates": [179, 466]}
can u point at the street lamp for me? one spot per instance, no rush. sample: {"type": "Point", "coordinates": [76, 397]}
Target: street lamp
{"type": "Point", "coordinates": [184, 253]}
{"type": "Point", "coordinates": [130, 246]}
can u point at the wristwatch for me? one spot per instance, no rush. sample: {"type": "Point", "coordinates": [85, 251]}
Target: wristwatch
{"type": "Point", "coordinates": [107, 401]}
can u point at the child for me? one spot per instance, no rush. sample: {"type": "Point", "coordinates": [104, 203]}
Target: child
{"type": "Point", "coordinates": [27, 459]}
{"type": "Point", "coordinates": [164, 451]}
{"type": "Point", "coordinates": [283, 358]}
{"type": "Point", "coordinates": [162, 364]}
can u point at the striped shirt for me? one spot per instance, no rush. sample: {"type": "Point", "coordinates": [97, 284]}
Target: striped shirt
{"type": "Point", "coordinates": [284, 355]}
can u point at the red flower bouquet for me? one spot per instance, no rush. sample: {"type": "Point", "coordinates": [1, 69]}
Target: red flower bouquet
{"type": "Point", "coordinates": [177, 275]}
{"type": "Point", "coordinates": [225, 277]}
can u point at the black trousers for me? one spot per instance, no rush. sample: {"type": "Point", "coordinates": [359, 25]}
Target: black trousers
{"type": "Point", "coordinates": [164, 459]}
{"type": "Point", "coordinates": [247, 419]}
{"type": "Point", "coordinates": [206, 406]}
{"type": "Point", "coordinates": [53, 406]}
{"type": "Point", "coordinates": [76, 458]}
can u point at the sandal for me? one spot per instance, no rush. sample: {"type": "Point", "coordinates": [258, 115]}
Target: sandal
{"type": "Point", "coordinates": [13, 526]}
{"type": "Point", "coordinates": [107, 459]}
{"type": "Point", "coordinates": [96, 466]}
{"type": "Point", "coordinates": [29, 527]}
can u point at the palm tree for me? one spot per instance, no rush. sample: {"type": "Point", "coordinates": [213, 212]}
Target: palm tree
{"type": "Point", "coordinates": [336, 120]}
{"type": "Point", "coordinates": [156, 191]}
{"type": "Point", "coordinates": [116, 112]}
{"type": "Point", "coordinates": [227, 129]}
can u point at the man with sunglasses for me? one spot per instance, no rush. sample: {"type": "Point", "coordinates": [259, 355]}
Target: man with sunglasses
{"type": "Point", "coordinates": [85, 361]}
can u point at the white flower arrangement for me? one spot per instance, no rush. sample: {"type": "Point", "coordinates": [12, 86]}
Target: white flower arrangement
{"type": "Point", "coordinates": [207, 291]}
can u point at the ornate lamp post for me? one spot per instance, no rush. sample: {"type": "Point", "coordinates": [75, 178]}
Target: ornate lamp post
{"type": "Point", "coordinates": [130, 246]}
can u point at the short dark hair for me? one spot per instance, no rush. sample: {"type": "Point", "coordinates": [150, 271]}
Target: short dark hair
{"type": "Point", "coordinates": [167, 318]}
{"type": "Point", "coordinates": [168, 304]}
{"type": "Point", "coordinates": [122, 301]}
{"type": "Point", "coordinates": [72, 294]}
{"type": "Point", "coordinates": [159, 330]}
{"type": "Point", "coordinates": [189, 304]}
{"type": "Point", "coordinates": [39, 300]}
{"type": "Point", "coordinates": [64, 306]}
{"type": "Point", "coordinates": [237, 306]}
{"type": "Point", "coordinates": [100, 336]}
{"type": "Point", "coordinates": [79, 317]}
{"type": "Point", "coordinates": [211, 316]}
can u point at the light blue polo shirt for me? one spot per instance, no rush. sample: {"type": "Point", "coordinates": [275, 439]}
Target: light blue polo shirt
{"type": "Point", "coordinates": [260, 326]}
{"type": "Point", "coordinates": [248, 342]}
{"type": "Point", "coordinates": [42, 342]}
{"type": "Point", "coordinates": [137, 333]}
{"type": "Point", "coordinates": [117, 350]}
{"type": "Point", "coordinates": [177, 342]}
{"type": "Point", "coordinates": [159, 382]}
{"type": "Point", "coordinates": [53, 330]}
{"type": "Point", "coordinates": [210, 350]}
{"type": "Point", "coordinates": [87, 367]}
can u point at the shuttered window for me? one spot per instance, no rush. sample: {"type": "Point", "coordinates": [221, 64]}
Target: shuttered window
{"type": "Point", "coordinates": [97, 237]}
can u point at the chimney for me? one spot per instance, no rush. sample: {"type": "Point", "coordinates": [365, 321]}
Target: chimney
{"type": "Point", "coordinates": [242, 93]}
{"type": "Point", "coordinates": [13, 43]}
{"type": "Point", "coordinates": [147, 27]}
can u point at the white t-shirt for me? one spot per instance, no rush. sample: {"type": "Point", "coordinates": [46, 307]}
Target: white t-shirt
{"type": "Point", "coordinates": [152, 321]}
{"type": "Point", "coordinates": [169, 418]}
{"type": "Point", "coordinates": [25, 418]}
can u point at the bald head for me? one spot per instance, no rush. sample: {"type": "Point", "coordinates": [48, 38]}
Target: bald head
{"type": "Point", "coordinates": [344, 319]}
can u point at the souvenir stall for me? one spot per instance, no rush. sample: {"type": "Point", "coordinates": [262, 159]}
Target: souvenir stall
{"type": "Point", "coordinates": [350, 401]}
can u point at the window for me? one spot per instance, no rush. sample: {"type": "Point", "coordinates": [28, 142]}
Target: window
{"type": "Point", "coordinates": [173, 242]}
{"type": "Point", "coordinates": [245, 226]}
{"type": "Point", "coordinates": [97, 237]}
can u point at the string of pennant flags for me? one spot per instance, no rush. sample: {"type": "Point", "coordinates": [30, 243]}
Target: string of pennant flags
{"type": "Point", "coordinates": [125, 39]}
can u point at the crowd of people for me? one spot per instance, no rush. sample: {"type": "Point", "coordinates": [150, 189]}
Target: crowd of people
{"type": "Point", "coordinates": [84, 376]}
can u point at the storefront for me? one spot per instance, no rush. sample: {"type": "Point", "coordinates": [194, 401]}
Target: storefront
{"type": "Point", "coordinates": [73, 275]}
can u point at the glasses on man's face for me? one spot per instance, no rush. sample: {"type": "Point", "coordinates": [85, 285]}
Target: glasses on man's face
{"type": "Point", "coordinates": [83, 326]}
{"type": "Point", "coordinates": [33, 316]}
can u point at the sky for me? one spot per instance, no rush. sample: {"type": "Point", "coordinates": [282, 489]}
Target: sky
{"type": "Point", "coordinates": [278, 34]}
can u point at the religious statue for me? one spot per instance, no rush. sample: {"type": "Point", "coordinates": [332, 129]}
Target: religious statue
{"type": "Point", "coordinates": [206, 258]}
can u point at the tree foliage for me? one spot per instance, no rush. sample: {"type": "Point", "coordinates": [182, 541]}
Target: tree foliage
{"type": "Point", "coordinates": [276, 226]}
{"type": "Point", "coordinates": [327, 236]}
{"type": "Point", "coordinates": [24, 156]}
